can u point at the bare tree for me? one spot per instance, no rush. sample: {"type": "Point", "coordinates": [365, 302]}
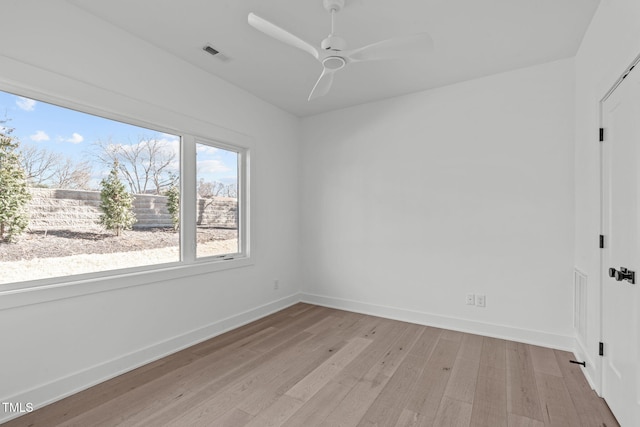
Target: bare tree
{"type": "Point", "coordinates": [232, 191]}
{"type": "Point", "coordinates": [75, 176]}
{"type": "Point", "coordinates": [39, 164]}
{"type": "Point", "coordinates": [146, 165]}
{"type": "Point", "coordinates": [208, 189]}
{"type": "Point", "coordinates": [47, 168]}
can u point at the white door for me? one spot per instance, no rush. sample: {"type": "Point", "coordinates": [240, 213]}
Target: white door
{"type": "Point", "coordinates": [621, 226]}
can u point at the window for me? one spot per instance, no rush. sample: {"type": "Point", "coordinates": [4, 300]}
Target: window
{"type": "Point", "coordinates": [105, 195]}
{"type": "Point", "coordinates": [217, 201]}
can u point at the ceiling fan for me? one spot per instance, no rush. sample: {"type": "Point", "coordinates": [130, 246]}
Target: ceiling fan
{"type": "Point", "coordinates": [333, 54]}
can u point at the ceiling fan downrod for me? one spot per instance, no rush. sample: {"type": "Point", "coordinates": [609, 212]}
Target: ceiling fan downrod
{"type": "Point", "coordinates": [333, 41]}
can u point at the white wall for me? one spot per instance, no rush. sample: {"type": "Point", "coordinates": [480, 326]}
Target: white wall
{"type": "Point", "coordinates": [52, 348]}
{"type": "Point", "coordinates": [608, 48]}
{"type": "Point", "coordinates": [412, 202]}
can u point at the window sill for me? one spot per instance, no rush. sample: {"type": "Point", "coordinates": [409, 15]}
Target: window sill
{"type": "Point", "coordinates": [39, 291]}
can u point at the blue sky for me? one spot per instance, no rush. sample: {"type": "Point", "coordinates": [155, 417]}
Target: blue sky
{"type": "Point", "coordinates": [73, 134]}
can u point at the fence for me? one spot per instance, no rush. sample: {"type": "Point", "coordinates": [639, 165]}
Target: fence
{"type": "Point", "coordinates": [52, 209]}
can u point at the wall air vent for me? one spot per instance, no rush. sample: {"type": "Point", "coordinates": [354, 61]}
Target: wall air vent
{"type": "Point", "coordinates": [215, 52]}
{"type": "Point", "coordinates": [580, 304]}
{"type": "Point", "coordinates": [211, 50]}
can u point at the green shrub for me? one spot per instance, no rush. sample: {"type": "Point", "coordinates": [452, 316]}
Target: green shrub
{"type": "Point", "coordinates": [117, 203]}
{"type": "Point", "coordinates": [14, 193]}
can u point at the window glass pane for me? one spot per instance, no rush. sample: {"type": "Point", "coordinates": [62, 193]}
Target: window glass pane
{"type": "Point", "coordinates": [217, 216]}
{"type": "Point", "coordinates": [80, 193]}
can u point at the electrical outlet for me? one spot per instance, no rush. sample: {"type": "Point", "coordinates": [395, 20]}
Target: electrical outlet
{"type": "Point", "coordinates": [471, 299]}
{"type": "Point", "coordinates": [480, 300]}
{"type": "Point", "coordinates": [276, 284]}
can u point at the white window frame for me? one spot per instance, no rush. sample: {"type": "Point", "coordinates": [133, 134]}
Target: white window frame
{"type": "Point", "coordinates": [42, 290]}
{"type": "Point", "coordinates": [189, 198]}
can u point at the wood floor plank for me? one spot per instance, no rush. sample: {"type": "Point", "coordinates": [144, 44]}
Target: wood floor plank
{"type": "Point", "coordinates": [427, 342]}
{"type": "Point", "coordinates": [367, 388]}
{"type": "Point", "coordinates": [494, 353]}
{"type": "Point", "coordinates": [462, 382]}
{"type": "Point", "coordinates": [432, 382]}
{"type": "Point", "coordinates": [471, 347]}
{"type": "Point", "coordinates": [408, 418]}
{"type": "Point", "coordinates": [351, 410]}
{"type": "Point", "coordinates": [520, 421]}
{"type": "Point", "coordinates": [235, 418]}
{"type": "Point", "coordinates": [313, 366]}
{"type": "Point", "coordinates": [320, 406]}
{"type": "Point", "coordinates": [452, 335]}
{"type": "Point", "coordinates": [591, 409]}
{"type": "Point", "coordinates": [490, 399]}
{"type": "Point", "coordinates": [165, 390]}
{"type": "Point", "coordinates": [557, 405]}
{"type": "Point", "coordinates": [391, 344]}
{"type": "Point", "coordinates": [266, 390]}
{"type": "Point", "coordinates": [328, 370]}
{"type": "Point", "coordinates": [522, 393]}
{"type": "Point", "coordinates": [329, 323]}
{"type": "Point", "coordinates": [278, 413]}
{"type": "Point", "coordinates": [207, 405]}
{"type": "Point", "coordinates": [396, 394]}
{"type": "Point", "coordinates": [393, 398]}
{"type": "Point", "coordinates": [274, 322]}
{"type": "Point", "coordinates": [544, 361]}
{"type": "Point", "coordinates": [453, 413]}
{"type": "Point", "coordinates": [285, 332]}
{"type": "Point", "coordinates": [225, 392]}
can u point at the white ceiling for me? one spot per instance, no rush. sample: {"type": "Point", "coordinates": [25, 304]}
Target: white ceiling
{"type": "Point", "coordinates": [472, 38]}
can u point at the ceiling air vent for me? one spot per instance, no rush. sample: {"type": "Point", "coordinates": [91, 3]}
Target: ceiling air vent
{"type": "Point", "coordinates": [215, 52]}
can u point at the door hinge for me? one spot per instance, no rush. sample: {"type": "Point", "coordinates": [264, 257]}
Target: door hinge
{"type": "Point", "coordinates": [601, 241]}
{"type": "Point", "coordinates": [601, 135]}
{"type": "Point", "coordinates": [601, 349]}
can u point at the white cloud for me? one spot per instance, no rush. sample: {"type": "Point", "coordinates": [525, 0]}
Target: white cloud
{"type": "Point", "coordinates": [167, 146]}
{"type": "Point", "coordinates": [170, 137]}
{"type": "Point", "coordinates": [76, 138]}
{"type": "Point", "coordinates": [212, 167]}
{"type": "Point", "coordinates": [39, 136]}
{"type": "Point", "coordinates": [205, 149]}
{"type": "Point", "coordinates": [25, 104]}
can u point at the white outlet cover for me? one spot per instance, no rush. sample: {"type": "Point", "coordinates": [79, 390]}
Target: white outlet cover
{"type": "Point", "coordinates": [480, 300]}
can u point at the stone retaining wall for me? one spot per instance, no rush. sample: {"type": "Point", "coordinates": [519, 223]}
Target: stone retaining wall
{"type": "Point", "coordinates": [52, 209]}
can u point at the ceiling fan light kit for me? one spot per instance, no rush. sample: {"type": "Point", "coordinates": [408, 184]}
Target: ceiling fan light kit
{"type": "Point", "coordinates": [333, 53]}
{"type": "Point", "coordinates": [333, 63]}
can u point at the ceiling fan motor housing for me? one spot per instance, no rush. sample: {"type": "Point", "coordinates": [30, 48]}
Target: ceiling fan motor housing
{"type": "Point", "coordinates": [333, 42]}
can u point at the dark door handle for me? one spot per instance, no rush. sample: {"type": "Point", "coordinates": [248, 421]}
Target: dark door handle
{"type": "Point", "coordinates": [623, 274]}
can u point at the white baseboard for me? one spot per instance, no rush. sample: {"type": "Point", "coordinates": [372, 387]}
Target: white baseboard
{"type": "Point", "coordinates": [545, 339]}
{"type": "Point", "coordinates": [81, 380]}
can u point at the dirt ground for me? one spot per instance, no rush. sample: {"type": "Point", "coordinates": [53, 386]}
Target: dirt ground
{"type": "Point", "coordinates": [61, 243]}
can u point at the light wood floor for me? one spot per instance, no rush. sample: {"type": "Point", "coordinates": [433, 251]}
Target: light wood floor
{"type": "Point", "coordinates": [313, 366]}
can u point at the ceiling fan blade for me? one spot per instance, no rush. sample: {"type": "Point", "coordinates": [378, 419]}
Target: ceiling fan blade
{"type": "Point", "coordinates": [278, 33]}
{"type": "Point", "coordinates": [397, 47]}
{"type": "Point", "coordinates": [322, 85]}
